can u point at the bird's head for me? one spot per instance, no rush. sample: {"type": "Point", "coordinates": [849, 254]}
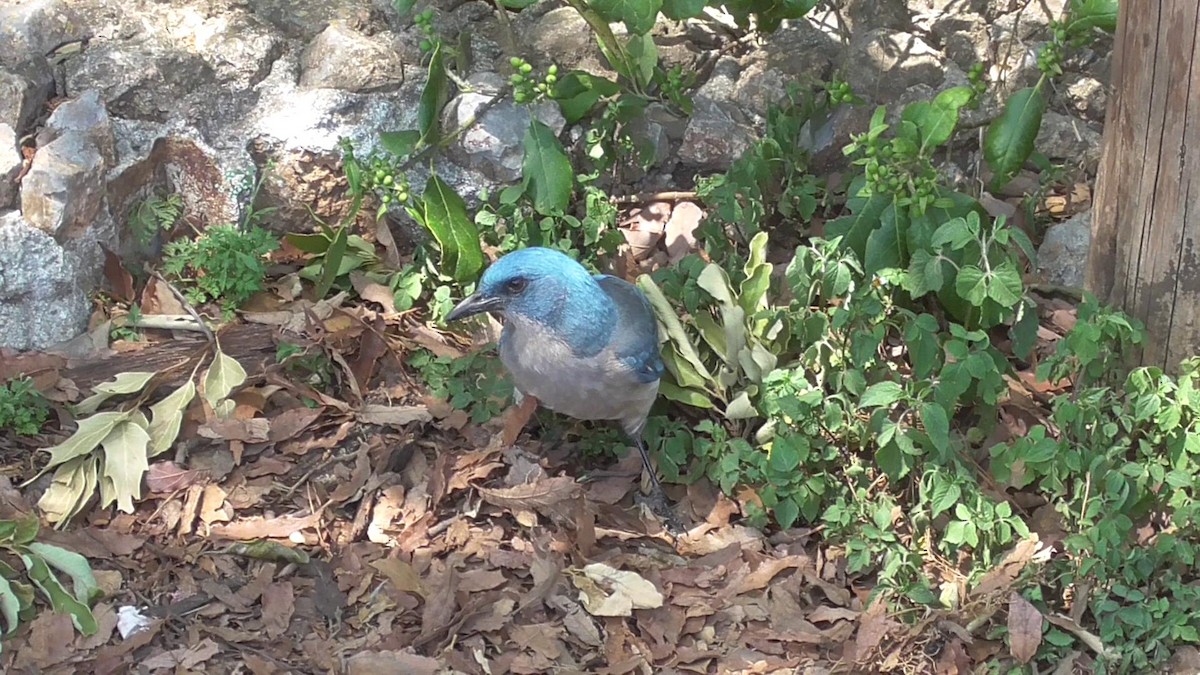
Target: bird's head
{"type": "Point", "coordinates": [536, 284]}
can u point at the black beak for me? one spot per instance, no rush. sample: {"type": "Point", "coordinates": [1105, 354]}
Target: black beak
{"type": "Point", "coordinates": [472, 305]}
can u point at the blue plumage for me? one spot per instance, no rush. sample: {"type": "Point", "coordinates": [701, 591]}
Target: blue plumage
{"type": "Point", "coordinates": [583, 345]}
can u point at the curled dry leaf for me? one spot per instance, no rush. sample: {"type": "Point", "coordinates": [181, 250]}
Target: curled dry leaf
{"type": "Point", "coordinates": [543, 493]}
{"type": "Point", "coordinates": [605, 591]}
{"type": "Point", "coordinates": [392, 415]}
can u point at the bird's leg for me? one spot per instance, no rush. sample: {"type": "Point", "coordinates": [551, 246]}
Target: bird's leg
{"type": "Point", "coordinates": [658, 501]}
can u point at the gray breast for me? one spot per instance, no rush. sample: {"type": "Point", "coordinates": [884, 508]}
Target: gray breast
{"type": "Point", "coordinates": [593, 388]}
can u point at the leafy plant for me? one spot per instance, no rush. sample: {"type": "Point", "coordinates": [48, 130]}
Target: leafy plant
{"type": "Point", "coordinates": [155, 214]}
{"type": "Point", "coordinates": [43, 564]}
{"type": "Point", "coordinates": [225, 264]}
{"type": "Point", "coordinates": [23, 410]}
{"type": "Point", "coordinates": [474, 383]}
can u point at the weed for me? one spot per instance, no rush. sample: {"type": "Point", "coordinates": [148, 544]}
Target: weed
{"type": "Point", "coordinates": [23, 410]}
{"type": "Point", "coordinates": [224, 265]}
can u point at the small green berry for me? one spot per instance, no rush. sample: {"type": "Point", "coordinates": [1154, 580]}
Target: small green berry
{"type": "Point", "coordinates": [515, 62]}
{"type": "Point", "coordinates": [553, 69]}
{"type": "Point", "coordinates": [526, 68]}
{"type": "Point", "coordinates": [426, 45]}
{"type": "Point", "coordinates": [387, 180]}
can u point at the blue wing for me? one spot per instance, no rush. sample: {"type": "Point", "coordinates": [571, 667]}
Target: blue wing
{"type": "Point", "coordinates": [635, 340]}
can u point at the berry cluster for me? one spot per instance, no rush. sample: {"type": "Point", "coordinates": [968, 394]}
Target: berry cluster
{"type": "Point", "coordinates": [526, 87]}
{"type": "Point", "coordinates": [424, 21]}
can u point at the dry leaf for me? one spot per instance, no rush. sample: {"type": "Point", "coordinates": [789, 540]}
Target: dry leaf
{"type": "Point", "coordinates": [392, 415]}
{"type": "Point", "coordinates": [167, 477]}
{"type": "Point", "coordinates": [402, 575]}
{"type": "Point", "coordinates": [278, 605]}
{"type": "Point", "coordinates": [263, 528]}
{"type": "Point", "coordinates": [1024, 628]}
{"type": "Point", "coordinates": [605, 591]}
{"type": "Point", "coordinates": [391, 663]}
{"type": "Point", "coordinates": [680, 230]}
{"type": "Point", "coordinates": [546, 492]}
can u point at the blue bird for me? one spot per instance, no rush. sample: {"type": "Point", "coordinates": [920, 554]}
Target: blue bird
{"type": "Point", "coordinates": [583, 345]}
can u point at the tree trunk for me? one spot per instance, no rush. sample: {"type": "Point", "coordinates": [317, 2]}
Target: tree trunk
{"type": "Point", "coordinates": [1144, 257]}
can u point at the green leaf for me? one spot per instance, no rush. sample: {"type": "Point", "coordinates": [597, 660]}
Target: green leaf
{"type": "Point", "coordinates": [332, 263]}
{"type": "Point", "coordinates": [883, 246]}
{"type": "Point", "coordinates": [881, 394]}
{"type": "Point", "coordinates": [404, 7]}
{"type": "Point", "coordinates": [122, 384]}
{"type": "Point", "coordinates": [692, 397]}
{"type": "Point", "coordinates": [890, 460]}
{"type": "Point", "coordinates": [60, 600]}
{"type": "Point", "coordinates": [83, 582]}
{"type": "Point", "coordinates": [445, 216]}
{"type": "Point", "coordinates": [309, 243]}
{"type": "Point", "coordinates": [1086, 14]}
{"type": "Point", "coordinates": [1005, 286]}
{"type": "Point", "coordinates": [740, 408]}
{"type": "Point", "coordinates": [637, 15]}
{"type": "Point", "coordinates": [166, 417]}
{"type": "Point", "coordinates": [222, 376]}
{"type": "Point", "coordinates": [683, 9]}
{"type": "Point", "coordinates": [674, 329]}
{"type": "Point", "coordinates": [856, 229]}
{"type": "Point", "coordinates": [92, 430]}
{"type": "Point", "coordinates": [643, 54]}
{"type": "Point", "coordinates": [577, 93]}
{"type": "Point", "coordinates": [971, 285]}
{"type": "Point", "coordinates": [1024, 330]}
{"type": "Point", "coordinates": [937, 425]}
{"type": "Point", "coordinates": [400, 143]}
{"type": "Point", "coordinates": [945, 495]}
{"type": "Point", "coordinates": [716, 283]}
{"type": "Point", "coordinates": [758, 275]}
{"type": "Point", "coordinates": [924, 274]}
{"type": "Point", "coordinates": [433, 97]}
{"type": "Point", "coordinates": [787, 512]}
{"type": "Point", "coordinates": [547, 170]}
{"type": "Point", "coordinates": [953, 232]}
{"type": "Point", "coordinates": [125, 463]}
{"type": "Point", "coordinates": [1010, 137]}
{"type": "Point", "coordinates": [937, 119]}
{"type": "Point", "coordinates": [10, 606]}
{"type": "Point", "coordinates": [785, 456]}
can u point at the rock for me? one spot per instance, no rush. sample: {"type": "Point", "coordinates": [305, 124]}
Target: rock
{"type": "Point", "coordinates": [964, 36]}
{"type": "Point", "coordinates": [802, 51]}
{"type": "Point", "coordinates": [1030, 20]}
{"type": "Point", "coordinates": [947, 6]}
{"type": "Point", "coordinates": [10, 165]}
{"type": "Point", "coordinates": [44, 286]}
{"type": "Point", "coordinates": [1063, 256]}
{"type": "Point", "coordinates": [86, 116]}
{"type": "Point", "coordinates": [884, 65]}
{"type": "Point", "coordinates": [1087, 96]}
{"type": "Point", "coordinates": [562, 36]}
{"type": "Point", "coordinates": [494, 145]}
{"type": "Point", "coordinates": [715, 137]}
{"type": "Point", "coordinates": [64, 189]}
{"type": "Point", "coordinates": [35, 27]}
{"type": "Point", "coordinates": [24, 90]}
{"type": "Point", "coordinates": [340, 58]}
{"type": "Point", "coordinates": [305, 20]}
{"type": "Point", "coordinates": [867, 15]}
{"type": "Point", "coordinates": [1069, 138]}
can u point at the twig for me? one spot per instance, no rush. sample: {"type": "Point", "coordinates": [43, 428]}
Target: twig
{"type": "Point", "coordinates": [208, 334]}
{"type": "Point", "coordinates": [669, 196]}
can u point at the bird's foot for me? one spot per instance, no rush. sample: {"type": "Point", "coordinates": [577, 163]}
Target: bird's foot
{"type": "Point", "coordinates": [660, 505]}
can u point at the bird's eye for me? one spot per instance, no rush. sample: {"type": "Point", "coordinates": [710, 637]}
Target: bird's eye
{"type": "Point", "coordinates": [515, 286]}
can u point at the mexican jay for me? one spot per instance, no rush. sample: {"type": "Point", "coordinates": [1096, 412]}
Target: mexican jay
{"type": "Point", "coordinates": [583, 345]}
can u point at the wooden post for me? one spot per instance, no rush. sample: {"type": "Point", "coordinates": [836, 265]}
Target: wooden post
{"type": "Point", "coordinates": [1144, 257]}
